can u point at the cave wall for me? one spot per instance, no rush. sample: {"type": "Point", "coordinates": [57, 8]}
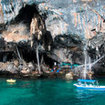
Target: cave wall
{"type": "Point", "coordinates": [72, 16]}
{"type": "Point", "coordinates": [81, 20]}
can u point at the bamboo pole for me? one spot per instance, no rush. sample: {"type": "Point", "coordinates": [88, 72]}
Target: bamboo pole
{"type": "Point", "coordinates": [18, 53]}
{"type": "Point", "coordinates": [37, 56]}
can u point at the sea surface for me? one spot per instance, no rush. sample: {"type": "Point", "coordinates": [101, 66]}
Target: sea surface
{"type": "Point", "coordinates": [48, 92]}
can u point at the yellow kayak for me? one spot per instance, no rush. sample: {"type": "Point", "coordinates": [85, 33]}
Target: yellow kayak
{"type": "Point", "coordinates": [11, 80]}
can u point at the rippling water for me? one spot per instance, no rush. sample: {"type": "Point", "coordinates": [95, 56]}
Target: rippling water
{"type": "Point", "coordinates": [48, 92]}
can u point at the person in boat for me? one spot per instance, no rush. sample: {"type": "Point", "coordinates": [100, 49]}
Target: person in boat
{"type": "Point", "coordinates": [58, 70]}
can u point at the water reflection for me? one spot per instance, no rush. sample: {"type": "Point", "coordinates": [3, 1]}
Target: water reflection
{"type": "Point", "coordinates": [84, 94]}
{"type": "Point", "coordinates": [45, 92]}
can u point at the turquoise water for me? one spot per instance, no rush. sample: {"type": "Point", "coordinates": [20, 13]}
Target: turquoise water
{"type": "Point", "coordinates": [48, 92]}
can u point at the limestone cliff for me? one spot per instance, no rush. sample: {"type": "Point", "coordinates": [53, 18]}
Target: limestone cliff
{"type": "Point", "coordinates": [64, 28]}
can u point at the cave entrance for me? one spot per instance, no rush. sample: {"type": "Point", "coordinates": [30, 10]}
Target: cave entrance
{"type": "Point", "coordinates": [6, 56]}
{"type": "Point", "coordinates": [26, 14]}
{"type": "Point", "coordinates": [29, 55]}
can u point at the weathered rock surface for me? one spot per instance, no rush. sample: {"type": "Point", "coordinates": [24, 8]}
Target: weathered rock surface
{"type": "Point", "coordinates": [73, 16]}
{"type": "Point", "coordinates": [62, 29]}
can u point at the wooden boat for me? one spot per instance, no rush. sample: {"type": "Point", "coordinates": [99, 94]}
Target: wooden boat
{"type": "Point", "coordinates": [11, 80]}
{"type": "Point", "coordinates": [88, 84]}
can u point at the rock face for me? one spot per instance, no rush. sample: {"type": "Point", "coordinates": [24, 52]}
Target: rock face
{"type": "Point", "coordinates": [69, 76]}
{"type": "Point", "coordinates": [62, 29]}
{"type": "Point", "coordinates": [73, 16]}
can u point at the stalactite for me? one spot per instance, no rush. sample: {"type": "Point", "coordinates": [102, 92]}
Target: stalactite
{"type": "Point", "coordinates": [75, 19]}
{"type": "Point", "coordinates": [37, 28]}
{"type": "Point", "coordinates": [1, 13]}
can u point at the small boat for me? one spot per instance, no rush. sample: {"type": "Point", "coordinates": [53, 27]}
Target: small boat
{"type": "Point", "coordinates": [11, 80]}
{"type": "Point", "coordinates": [88, 84]}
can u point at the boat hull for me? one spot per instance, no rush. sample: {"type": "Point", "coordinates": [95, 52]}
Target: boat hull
{"type": "Point", "coordinates": [90, 87]}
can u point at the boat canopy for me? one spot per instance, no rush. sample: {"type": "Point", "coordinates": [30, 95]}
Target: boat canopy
{"type": "Point", "coordinates": [86, 80]}
{"type": "Point", "coordinates": [68, 64]}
